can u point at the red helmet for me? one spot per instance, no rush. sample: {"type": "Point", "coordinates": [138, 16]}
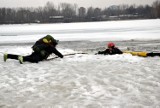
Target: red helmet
{"type": "Point", "coordinates": [111, 45]}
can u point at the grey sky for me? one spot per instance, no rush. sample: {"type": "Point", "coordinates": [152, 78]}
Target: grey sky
{"type": "Point", "coordinates": [85, 3]}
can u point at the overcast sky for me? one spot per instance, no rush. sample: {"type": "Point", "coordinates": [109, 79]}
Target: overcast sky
{"type": "Point", "coordinates": [84, 3]}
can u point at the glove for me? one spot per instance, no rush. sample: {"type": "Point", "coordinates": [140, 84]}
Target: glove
{"type": "Point", "coordinates": [61, 56]}
{"type": "Point", "coordinates": [98, 53]}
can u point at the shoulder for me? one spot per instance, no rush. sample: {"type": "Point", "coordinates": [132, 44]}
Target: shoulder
{"type": "Point", "coordinates": [116, 48]}
{"type": "Point", "coordinates": [106, 50]}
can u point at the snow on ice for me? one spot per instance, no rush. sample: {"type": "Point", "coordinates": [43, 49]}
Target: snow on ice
{"type": "Point", "coordinates": [82, 80]}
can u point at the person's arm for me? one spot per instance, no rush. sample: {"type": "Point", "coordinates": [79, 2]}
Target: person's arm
{"type": "Point", "coordinates": [104, 52]}
{"type": "Point", "coordinates": [118, 51]}
{"type": "Point", "coordinates": [55, 51]}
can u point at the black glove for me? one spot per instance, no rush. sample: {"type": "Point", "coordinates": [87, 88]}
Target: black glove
{"type": "Point", "coordinates": [61, 56]}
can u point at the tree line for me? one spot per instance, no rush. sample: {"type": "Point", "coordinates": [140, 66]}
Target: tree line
{"type": "Point", "coordinates": [66, 12]}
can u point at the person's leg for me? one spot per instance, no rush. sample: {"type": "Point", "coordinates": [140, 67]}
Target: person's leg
{"type": "Point", "coordinates": [10, 56]}
{"type": "Point", "coordinates": [33, 58]}
{"type": "Point", "coordinates": [153, 54]}
{"type": "Point", "coordinates": [13, 56]}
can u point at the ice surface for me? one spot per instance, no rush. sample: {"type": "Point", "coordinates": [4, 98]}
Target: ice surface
{"type": "Point", "coordinates": [82, 80]}
{"type": "Point", "coordinates": [113, 30]}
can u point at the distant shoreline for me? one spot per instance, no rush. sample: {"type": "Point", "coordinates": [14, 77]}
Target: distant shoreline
{"type": "Point", "coordinates": [79, 41]}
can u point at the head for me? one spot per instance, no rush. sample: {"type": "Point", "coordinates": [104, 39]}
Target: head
{"type": "Point", "coordinates": [111, 45]}
{"type": "Point", "coordinates": [55, 42]}
{"type": "Point", "coordinates": [50, 40]}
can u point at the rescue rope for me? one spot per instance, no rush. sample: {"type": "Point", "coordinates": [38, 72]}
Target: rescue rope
{"type": "Point", "coordinates": [65, 55]}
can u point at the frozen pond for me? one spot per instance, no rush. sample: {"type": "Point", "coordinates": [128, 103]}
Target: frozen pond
{"type": "Point", "coordinates": [82, 80]}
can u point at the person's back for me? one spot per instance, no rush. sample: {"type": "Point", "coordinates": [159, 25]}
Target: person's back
{"type": "Point", "coordinates": [46, 46]}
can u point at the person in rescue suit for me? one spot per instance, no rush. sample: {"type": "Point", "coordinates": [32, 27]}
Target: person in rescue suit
{"type": "Point", "coordinates": [111, 50]}
{"type": "Point", "coordinates": [41, 50]}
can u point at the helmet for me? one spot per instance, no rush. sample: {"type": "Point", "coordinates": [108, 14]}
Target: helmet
{"type": "Point", "coordinates": [111, 45]}
{"type": "Point", "coordinates": [48, 39]}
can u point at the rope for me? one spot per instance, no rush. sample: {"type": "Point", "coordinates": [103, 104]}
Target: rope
{"type": "Point", "coordinates": [65, 55]}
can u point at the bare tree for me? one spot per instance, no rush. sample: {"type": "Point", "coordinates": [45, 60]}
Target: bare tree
{"type": "Point", "coordinates": [82, 12]}
{"type": "Point", "coordinates": [49, 10]}
{"type": "Point", "coordinates": [156, 9]}
{"type": "Point", "coordinates": [68, 13]}
{"type": "Point", "coordinates": [90, 13]}
{"type": "Point", "coordinates": [68, 10]}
